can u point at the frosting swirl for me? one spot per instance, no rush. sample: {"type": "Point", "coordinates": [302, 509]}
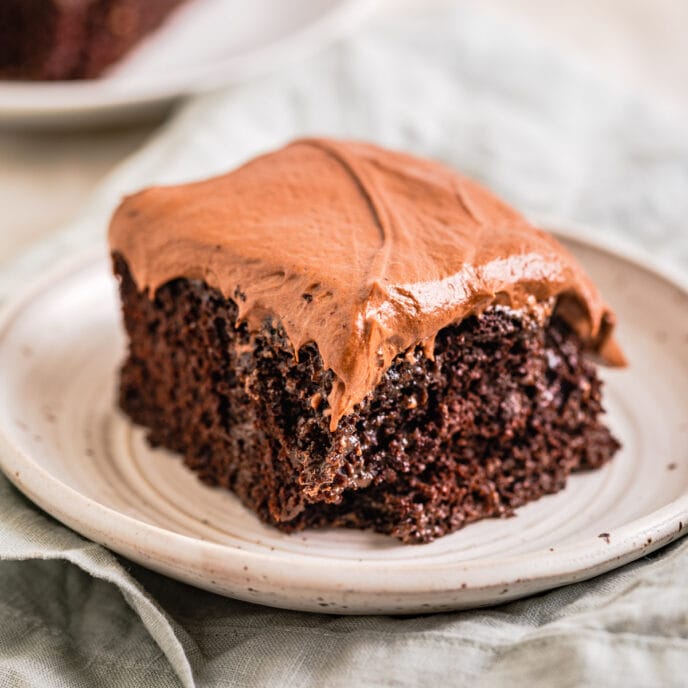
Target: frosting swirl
{"type": "Point", "coordinates": [363, 251]}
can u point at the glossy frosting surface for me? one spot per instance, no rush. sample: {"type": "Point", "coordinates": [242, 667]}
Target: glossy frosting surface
{"type": "Point", "coordinates": [364, 251]}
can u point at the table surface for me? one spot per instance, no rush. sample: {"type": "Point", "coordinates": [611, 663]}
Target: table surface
{"type": "Point", "coordinates": [45, 176]}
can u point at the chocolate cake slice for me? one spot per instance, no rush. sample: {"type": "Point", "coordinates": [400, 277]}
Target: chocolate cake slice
{"type": "Point", "coordinates": [72, 39]}
{"type": "Point", "coordinates": [344, 335]}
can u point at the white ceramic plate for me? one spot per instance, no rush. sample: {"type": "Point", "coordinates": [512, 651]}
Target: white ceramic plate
{"type": "Point", "coordinates": [64, 444]}
{"type": "Point", "coordinates": [203, 45]}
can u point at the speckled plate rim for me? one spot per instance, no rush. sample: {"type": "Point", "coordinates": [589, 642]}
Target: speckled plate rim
{"type": "Point", "coordinates": [442, 585]}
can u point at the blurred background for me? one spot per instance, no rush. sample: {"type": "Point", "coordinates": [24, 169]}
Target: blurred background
{"type": "Point", "coordinates": [48, 168]}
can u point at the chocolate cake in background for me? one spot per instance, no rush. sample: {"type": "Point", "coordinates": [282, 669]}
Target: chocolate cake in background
{"type": "Point", "coordinates": [72, 39]}
{"type": "Point", "coordinates": [345, 335]}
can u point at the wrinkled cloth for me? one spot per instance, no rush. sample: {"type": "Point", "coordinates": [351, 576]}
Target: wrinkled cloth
{"type": "Point", "coordinates": [494, 100]}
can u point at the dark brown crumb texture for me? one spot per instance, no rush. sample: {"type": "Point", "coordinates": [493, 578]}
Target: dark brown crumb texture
{"type": "Point", "coordinates": [505, 411]}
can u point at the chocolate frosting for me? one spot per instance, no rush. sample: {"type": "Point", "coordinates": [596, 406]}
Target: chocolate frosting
{"type": "Point", "coordinates": [363, 251]}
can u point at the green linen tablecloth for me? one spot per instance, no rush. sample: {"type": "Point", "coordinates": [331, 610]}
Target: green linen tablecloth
{"type": "Point", "coordinates": [492, 99]}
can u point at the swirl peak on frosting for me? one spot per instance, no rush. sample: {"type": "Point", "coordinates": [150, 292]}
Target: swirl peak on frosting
{"type": "Point", "coordinates": [364, 251]}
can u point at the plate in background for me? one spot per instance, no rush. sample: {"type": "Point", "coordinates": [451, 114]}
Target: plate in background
{"type": "Point", "coordinates": [203, 45]}
{"type": "Point", "coordinates": [65, 445]}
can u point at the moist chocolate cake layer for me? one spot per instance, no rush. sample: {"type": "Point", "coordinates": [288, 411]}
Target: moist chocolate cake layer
{"type": "Point", "coordinates": [390, 248]}
{"type": "Point", "coordinates": [500, 415]}
{"type": "Point", "coordinates": [72, 39]}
